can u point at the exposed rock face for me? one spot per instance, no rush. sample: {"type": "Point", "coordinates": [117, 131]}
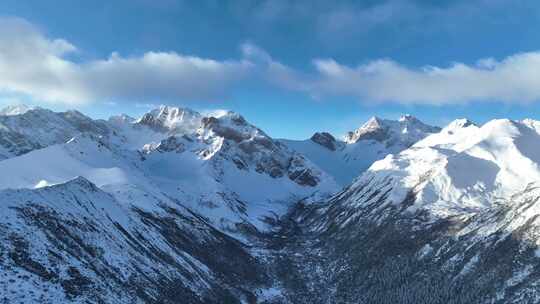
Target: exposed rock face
{"type": "Point", "coordinates": [250, 148]}
{"type": "Point", "coordinates": [298, 172]}
{"type": "Point", "coordinates": [325, 139]}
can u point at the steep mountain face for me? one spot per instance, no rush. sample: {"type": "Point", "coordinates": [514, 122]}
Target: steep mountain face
{"type": "Point", "coordinates": [23, 129]}
{"type": "Point", "coordinates": [453, 219]}
{"type": "Point", "coordinates": [347, 159]}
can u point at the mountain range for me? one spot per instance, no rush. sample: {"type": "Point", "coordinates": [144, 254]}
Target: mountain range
{"type": "Point", "coordinates": [181, 207]}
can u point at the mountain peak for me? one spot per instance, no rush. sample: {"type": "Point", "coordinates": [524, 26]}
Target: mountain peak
{"type": "Point", "coordinates": [16, 109]}
{"type": "Point", "coordinates": [169, 118]}
{"type": "Point", "coordinates": [406, 131]}
{"type": "Point", "coordinates": [373, 122]}
{"type": "Point", "coordinates": [459, 123]}
{"type": "Point", "coordinates": [324, 139]}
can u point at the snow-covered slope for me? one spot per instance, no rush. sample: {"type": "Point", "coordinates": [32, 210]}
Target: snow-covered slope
{"type": "Point", "coordinates": [74, 243]}
{"type": "Point", "coordinates": [223, 167]}
{"type": "Point", "coordinates": [15, 110]}
{"type": "Point", "coordinates": [347, 159]}
{"type": "Point", "coordinates": [453, 219]}
{"type": "Point", "coordinates": [464, 168]}
{"type": "Point", "coordinates": [179, 206]}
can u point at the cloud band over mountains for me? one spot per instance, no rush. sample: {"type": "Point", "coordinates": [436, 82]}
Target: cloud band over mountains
{"type": "Point", "coordinates": [39, 67]}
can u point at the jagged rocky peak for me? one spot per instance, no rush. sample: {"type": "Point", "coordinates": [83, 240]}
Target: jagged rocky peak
{"type": "Point", "coordinates": [233, 126]}
{"type": "Point", "coordinates": [373, 129]}
{"type": "Point", "coordinates": [171, 119]}
{"type": "Point", "coordinates": [405, 131]}
{"type": "Point", "coordinates": [325, 139]}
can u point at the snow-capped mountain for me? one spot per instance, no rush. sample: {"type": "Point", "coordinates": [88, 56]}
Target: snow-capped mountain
{"type": "Point", "coordinates": [223, 165]}
{"type": "Point", "coordinates": [100, 211]}
{"type": "Point", "coordinates": [23, 129]}
{"type": "Point", "coordinates": [452, 219]}
{"type": "Point", "coordinates": [177, 206]}
{"type": "Point", "coordinates": [348, 158]}
{"type": "Point", "coordinates": [465, 168]}
{"type": "Point", "coordinates": [16, 109]}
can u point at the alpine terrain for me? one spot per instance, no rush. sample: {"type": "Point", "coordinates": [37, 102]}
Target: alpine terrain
{"type": "Point", "coordinates": [346, 159]}
{"type": "Point", "coordinates": [181, 207]}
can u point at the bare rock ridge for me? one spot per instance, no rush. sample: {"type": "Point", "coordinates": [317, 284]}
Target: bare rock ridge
{"type": "Point", "coordinates": [325, 139]}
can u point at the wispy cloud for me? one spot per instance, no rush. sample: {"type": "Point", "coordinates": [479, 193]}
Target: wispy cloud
{"type": "Point", "coordinates": [33, 64]}
{"type": "Point", "coordinates": [513, 79]}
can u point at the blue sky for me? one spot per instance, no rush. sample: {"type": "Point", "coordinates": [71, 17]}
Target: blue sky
{"type": "Point", "coordinates": [290, 67]}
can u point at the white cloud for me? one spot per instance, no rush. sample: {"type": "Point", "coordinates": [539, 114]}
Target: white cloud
{"type": "Point", "coordinates": [34, 65]}
{"type": "Point", "coordinates": [514, 79]}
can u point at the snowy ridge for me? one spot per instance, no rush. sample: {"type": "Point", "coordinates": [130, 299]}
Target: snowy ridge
{"type": "Point", "coordinates": [347, 159]}
{"type": "Point", "coordinates": [27, 129]}
{"type": "Point", "coordinates": [15, 110]}
{"type": "Point", "coordinates": [404, 132]}
{"type": "Point", "coordinates": [464, 168]}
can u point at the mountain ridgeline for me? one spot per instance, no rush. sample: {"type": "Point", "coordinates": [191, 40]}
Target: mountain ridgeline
{"type": "Point", "coordinates": [181, 207]}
